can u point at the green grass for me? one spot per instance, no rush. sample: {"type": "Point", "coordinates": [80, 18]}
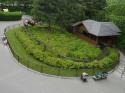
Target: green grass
{"type": "Point", "coordinates": [27, 60]}
{"type": "Point", "coordinates": [34, 64]}
{"type": "Point", "coordinates": [66, 44]}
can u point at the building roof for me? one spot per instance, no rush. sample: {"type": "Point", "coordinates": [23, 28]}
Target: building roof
{"type": "Point", "coordinates": [100, 28]}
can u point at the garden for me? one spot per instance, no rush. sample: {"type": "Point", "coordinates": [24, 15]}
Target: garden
{"type": "Point", "coordinates": [59, 52]}
{"type": "Point", "coordinates": [51, 48]}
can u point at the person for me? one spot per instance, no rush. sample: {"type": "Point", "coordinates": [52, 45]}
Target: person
{"type": "Point", "coordinates": [5, 42]}
{"type": "Point", "coordinates": [84, 76]}
{"type": "Point", "coordinates": [31, 22]}
{"type": "Point", "coordinates": [25, 23]}
{"type": "Point", "coordinates": [123, 72]}
{"type": "Point", "coordinates": [3, 38]}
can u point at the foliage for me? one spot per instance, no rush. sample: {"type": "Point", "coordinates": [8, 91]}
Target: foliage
{"type": "Point", "coordinates": [10, 16]}
{"type": "Point", "coordinates": [116, 13]}
{"type": "Point", "coordinates": [66, 44]}
{"type": "Point", "coordinates": [94, 9]}
{"type": "Point", "coordinates": [24, 58]}
{"type": "Point", "coordinates": [16, 1]}
{"type": "Point", "coordinates": [69, 12]}
{"type": "Point", "coordinates": [107, 62]}
{"type": "Point", "coordinates": [17, 5]}
{"type": "Point", "coordinates": [51, 59]}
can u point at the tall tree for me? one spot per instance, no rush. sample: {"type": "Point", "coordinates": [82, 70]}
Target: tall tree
{"type": "Point", "coordinates": [69, 12]}
{"type": "Point", "coordinates": [19, 3]}
{"type": "Point", "coordinates": [116, 14]}
{"type": "Point", "coordinates": [44, 10]}
{"type": "Point", "coordinates": [63, 12]}
{"type": "Point", "coordinates": [26, 3]}
{"type": "Point", "coordinates": [94, 8]}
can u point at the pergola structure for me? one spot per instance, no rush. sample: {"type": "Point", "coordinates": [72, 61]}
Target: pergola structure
{"type": "Point", "coordinates": [97, 32]}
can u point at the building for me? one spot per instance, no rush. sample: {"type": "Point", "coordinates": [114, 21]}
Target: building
{"type": "Point", "coordinates": [97, 33]}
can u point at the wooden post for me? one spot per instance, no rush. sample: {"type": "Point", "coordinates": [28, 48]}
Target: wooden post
{"type": "Point", "coordinates": [97, 40]}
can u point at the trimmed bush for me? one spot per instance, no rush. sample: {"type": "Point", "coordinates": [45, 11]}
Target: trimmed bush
{"type": "Point", "coordinates": [107, 62]}
{"type": "Point", "coordinates": [37, 51]}
{"type": "Point", "coordinates": [66, 44]}
{"type": "Point", "coordinates": [10, 16]}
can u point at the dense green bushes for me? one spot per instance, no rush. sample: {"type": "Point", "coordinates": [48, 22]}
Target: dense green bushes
{"type": "Point", "coordinates": [66, 44]}
{"type": "Point", "coordinates": [49, 58]}
{"type": "Point", "coordinates": [107, 62]}
{"type": "Point", "coordinates": [10, 16]}
{"type": "Point", "coordinates": [116, 13]}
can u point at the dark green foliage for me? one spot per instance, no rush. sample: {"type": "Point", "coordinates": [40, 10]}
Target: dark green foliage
{"type": "Point", "coordinates": [17, 5]}
{"type": "Point", "coordinates": [63, 12]}
{"type": "Point", "coordinates": [10, 16]}
{"type": "Point", "coordinates": [43, 10]}
{"type": "Point", "coordinates": [94, 9]}
{"type": "Point", "coordinates": [67, 12]}
{"type": "Point", "coordinates": [116, 13]}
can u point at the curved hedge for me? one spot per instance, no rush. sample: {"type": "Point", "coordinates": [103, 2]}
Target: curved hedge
{"type": "Point", "coordinates": [10, 16]}
{"type": "Point", "coordinates": [38, 52]}
{"type": "Point", "coordinates": [65, 44]}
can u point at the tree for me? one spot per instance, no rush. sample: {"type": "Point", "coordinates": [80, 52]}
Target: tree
{"type": "Point", "coordinates": [116, 13]}
{"type": "Point", "coordinates": [44, 10]}
{"type": "Point", "coordinates": [63, 12]}
{"type": "Point", "coordinates": [26, 3]}
{"type": "Point", "coordinates": [94, 9]}
{"type": "Point", "coordinates": [69, 12]}
{"type": "Point", "coordinates": [18, 4]}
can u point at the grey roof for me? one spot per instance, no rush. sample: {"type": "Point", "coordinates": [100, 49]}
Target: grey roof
{"type": "Point", "coordinates": [100, 28]}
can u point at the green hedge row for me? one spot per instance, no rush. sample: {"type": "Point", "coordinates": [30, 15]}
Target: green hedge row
{"type": "Point", "coordinates": [66, 44]}
{"type": "Point", "coordinates": [10, 16]}
{"type": "Point", "coordinates": [38, 52]}
{"type": "Point", "coordinates": [106, 63]}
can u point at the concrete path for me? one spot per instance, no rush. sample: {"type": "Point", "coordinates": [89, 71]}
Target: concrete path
{"type": "Point", "coordinates": [120, 72]}
{"type": "Point", "coordinates": [14, 78]}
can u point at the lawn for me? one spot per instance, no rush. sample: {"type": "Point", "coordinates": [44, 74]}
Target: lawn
{"type": "Point", "coordinates": [58, 53]}
{"type": "Point", "coordinates": [34, 64]}
{"type": "Point", "coordinates": [66, 44]}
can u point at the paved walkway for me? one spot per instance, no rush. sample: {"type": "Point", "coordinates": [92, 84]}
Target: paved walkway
{"type": "Point", "coordinates": [120, 72]}
{"type": "Point", "coordinates": [14, 78]}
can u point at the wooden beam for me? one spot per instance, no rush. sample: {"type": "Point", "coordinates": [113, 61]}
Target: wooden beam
{"type": "Point", "coordinates": [97, 40]}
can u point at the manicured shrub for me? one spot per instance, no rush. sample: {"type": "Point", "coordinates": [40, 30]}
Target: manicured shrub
{"type": "Point", "coordinates": [48, 57]}
{"type": "Point", "coordinates": [66, 45]}
{"type": "Point", "coordinates": [10, 16]}
{"type": "Point", "coordinates": [107, 62]}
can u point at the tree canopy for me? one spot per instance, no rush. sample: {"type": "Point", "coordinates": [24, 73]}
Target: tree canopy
{"type": "Point", "coordinates": [66, 12]}
{"type": "Point", "coordinates": [116, 14]}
